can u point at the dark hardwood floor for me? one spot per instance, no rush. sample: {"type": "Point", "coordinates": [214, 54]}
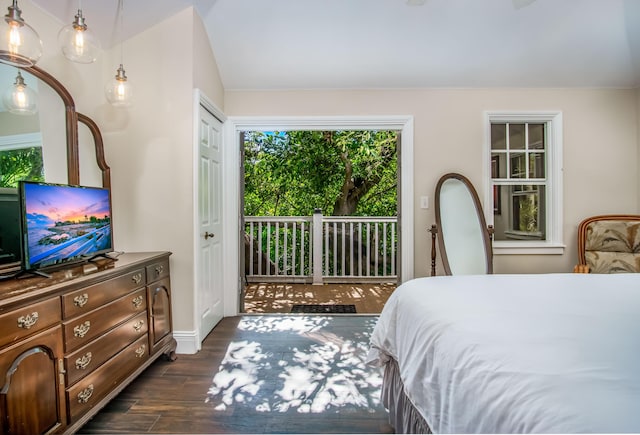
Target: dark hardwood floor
{"type": "Point", "coordinates": [259, 374]}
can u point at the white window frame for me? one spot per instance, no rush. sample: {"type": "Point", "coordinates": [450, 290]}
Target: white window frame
{"type": "Point", "coordinates": [20, 141]}
{"type": "Point", "coordinates": [554, 243]}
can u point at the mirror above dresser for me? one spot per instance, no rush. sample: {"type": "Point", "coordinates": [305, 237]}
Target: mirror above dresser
{"type": "Point", "coordinates": [43, 146]}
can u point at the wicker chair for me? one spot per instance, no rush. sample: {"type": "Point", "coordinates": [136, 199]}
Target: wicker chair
{"type": "Point", "coordinates": [609, 244]}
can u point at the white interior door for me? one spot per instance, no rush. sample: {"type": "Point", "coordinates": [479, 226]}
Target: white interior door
{"type": "Point", "coordinates": [210, 294]}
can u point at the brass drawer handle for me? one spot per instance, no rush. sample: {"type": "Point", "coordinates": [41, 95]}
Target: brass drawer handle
{"type": "Point", "coordinates": [81, 330]}
{"type": "Point", "coordinates": [28, 321]}
{"type": "Point", "coordinates": [83, 361]}
{"type": "Point", "coordinates": [159, 269]}
{"type": "Point", "coordinates": [138, 325]}
{"type": "Point", "coordinates": [137, 278]}
{"type": "Point", "coordinates": [81, 300]}
{"type": "Point", "coordinates": [137, 301]}
{"type": "Point", "coordinates": [141, 351]}
{"type": "Point", "coordinates": [85, 395]}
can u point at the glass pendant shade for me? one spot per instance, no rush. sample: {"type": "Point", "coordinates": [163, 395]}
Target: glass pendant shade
{"type": "Point", "coordinates": [119, 91]}
{"type": "Point", "coordinates": [20, 45]}
{"type": "Point", "coordinates": [20, 99]}
{"type": "Point", "coordinates": [78, 43]}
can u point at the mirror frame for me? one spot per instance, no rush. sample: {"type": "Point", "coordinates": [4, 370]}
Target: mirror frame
{"type": "Point", "coordinates": [71, 128]}
{"type": "Point", "coordinates": [486, 232]}
{"type": "Point", "coordinates": [99, 148]}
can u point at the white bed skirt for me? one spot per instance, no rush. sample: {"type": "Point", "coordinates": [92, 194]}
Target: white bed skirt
{"type": "Point", "coordinates": [403, 416]}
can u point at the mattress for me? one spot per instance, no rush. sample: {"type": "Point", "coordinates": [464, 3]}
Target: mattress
{"type": "Point", "coordinates": [548, 353]}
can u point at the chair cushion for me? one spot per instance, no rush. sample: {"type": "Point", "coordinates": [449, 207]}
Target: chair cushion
{"type": "Point", "coordinates": [613, 246]}
{"type": "Point", "coordinates": [612, 262]}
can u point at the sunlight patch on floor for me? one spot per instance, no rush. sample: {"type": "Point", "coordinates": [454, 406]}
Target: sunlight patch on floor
{"type": "Point", "coordinates": [279, 298]}
{"type": "Point", "coordinates": [318, 371]}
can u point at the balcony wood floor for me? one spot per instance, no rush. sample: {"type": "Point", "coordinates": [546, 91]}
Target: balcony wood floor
{"type": "Point", "coordinates": [369, 298]}
{"type": "Point", "coordinates": [259, 374]}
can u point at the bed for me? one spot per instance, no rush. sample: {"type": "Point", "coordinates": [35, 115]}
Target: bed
{"type": "Point", "coordinates": [548, 353]}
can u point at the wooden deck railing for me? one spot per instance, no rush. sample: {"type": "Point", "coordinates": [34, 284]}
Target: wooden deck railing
{"type": "Point", "coordinates": [320, 248]}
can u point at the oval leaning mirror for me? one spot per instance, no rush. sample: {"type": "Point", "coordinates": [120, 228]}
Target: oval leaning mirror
{"type": "Point", "coordinates": [463, 237]}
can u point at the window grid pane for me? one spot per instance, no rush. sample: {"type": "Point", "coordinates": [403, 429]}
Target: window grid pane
{"type": "Point", "coordinates": [536, 137]}
{"type": "Point", "coordinates": [518, 165]}
{"type": "Point", "coordinates": [498, 136]}
{"type": "Point", "coordinates": [522, 147]}
{"type": "Point", "coordinates": [536, 165]}
{"type": "Point", "coordinates": [518, 173]}
{"type": "Point", "coordinates": [517, 136]}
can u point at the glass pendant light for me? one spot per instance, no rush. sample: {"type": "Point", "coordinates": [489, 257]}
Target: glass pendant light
{"type": "Point", "coordinates": [19, 98]}
{"type": "Point", "coordinates": [20, 45]}
{"type": "Point", "coordinates": [118, 90]}
{"type": "Point", "coordinates": [78, 43]}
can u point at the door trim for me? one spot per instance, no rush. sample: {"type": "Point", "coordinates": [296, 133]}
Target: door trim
{"type": "Point", "coordinates": [231, 177]}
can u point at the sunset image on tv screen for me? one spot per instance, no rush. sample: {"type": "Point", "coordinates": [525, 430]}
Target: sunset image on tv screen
{"type": "Point", "coordinates": [65, 222]}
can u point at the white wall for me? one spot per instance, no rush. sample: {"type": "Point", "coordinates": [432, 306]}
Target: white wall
{"type": "Point", "coordinates": [149, 145]}
{"type": "Point", "coordinates": [150, 150]}
{"type": "Point", "coordinates": [600, 146]}
{"type": "Point", "coordinates": [206, 76]}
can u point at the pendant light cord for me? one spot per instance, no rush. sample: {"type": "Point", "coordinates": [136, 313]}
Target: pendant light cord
{"type": "Point", "coordinates": [121, 19]}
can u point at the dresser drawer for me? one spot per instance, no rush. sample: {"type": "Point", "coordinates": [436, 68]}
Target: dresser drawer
{"type": "Point", "coordinates": [81, 330]}
{"type": "Point", "coordinates": [21, 322]}
{"type": "Point", "coordinates": [91, 389]}
{"type": "Point", "coordinates": [86, 359]}
{"type": "Point", "coordinates": [158, 270]}
{"type": "Point", "coordinates": [84, 300]}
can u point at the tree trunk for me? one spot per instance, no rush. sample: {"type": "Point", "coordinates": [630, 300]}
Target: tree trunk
{"type": "Point", "coordinates": [354, 188]}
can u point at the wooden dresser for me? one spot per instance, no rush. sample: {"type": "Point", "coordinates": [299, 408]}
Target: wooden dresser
{"type": "Point", "coordinates": [72, 342]}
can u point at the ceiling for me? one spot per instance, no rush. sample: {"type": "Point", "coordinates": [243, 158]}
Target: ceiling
{"type": "Point", "coordinates": [338, 44]}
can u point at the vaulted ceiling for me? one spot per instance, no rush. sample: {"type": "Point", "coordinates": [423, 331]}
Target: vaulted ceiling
{"type": "Point", "coordinates": [320, 44]}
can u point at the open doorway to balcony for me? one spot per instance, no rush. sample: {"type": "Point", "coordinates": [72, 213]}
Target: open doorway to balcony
{"type": "Point", "coordinates": [320, 220]}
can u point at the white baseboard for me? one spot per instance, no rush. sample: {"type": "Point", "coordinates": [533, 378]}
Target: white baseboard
{"type": "Point", "coordinates": [188, 342]}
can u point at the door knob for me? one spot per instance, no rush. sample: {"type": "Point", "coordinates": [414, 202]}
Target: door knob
{"type": "Point", "coordinates": [207, 235]}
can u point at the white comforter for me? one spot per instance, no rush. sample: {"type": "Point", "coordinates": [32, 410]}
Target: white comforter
{"type": "Point", "coordinates": [554, 353]}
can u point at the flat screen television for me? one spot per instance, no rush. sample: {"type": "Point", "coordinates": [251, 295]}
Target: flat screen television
{"type": "Point", "coordinates": [10, 230]}
{"type": "Point", "coordinates": [63, 224]}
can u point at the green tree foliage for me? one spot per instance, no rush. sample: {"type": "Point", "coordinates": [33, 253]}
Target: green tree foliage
{"type": "Point", "coordinates": [21, 164]}
{"type": "Point", "coordinates": [341, 172]}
